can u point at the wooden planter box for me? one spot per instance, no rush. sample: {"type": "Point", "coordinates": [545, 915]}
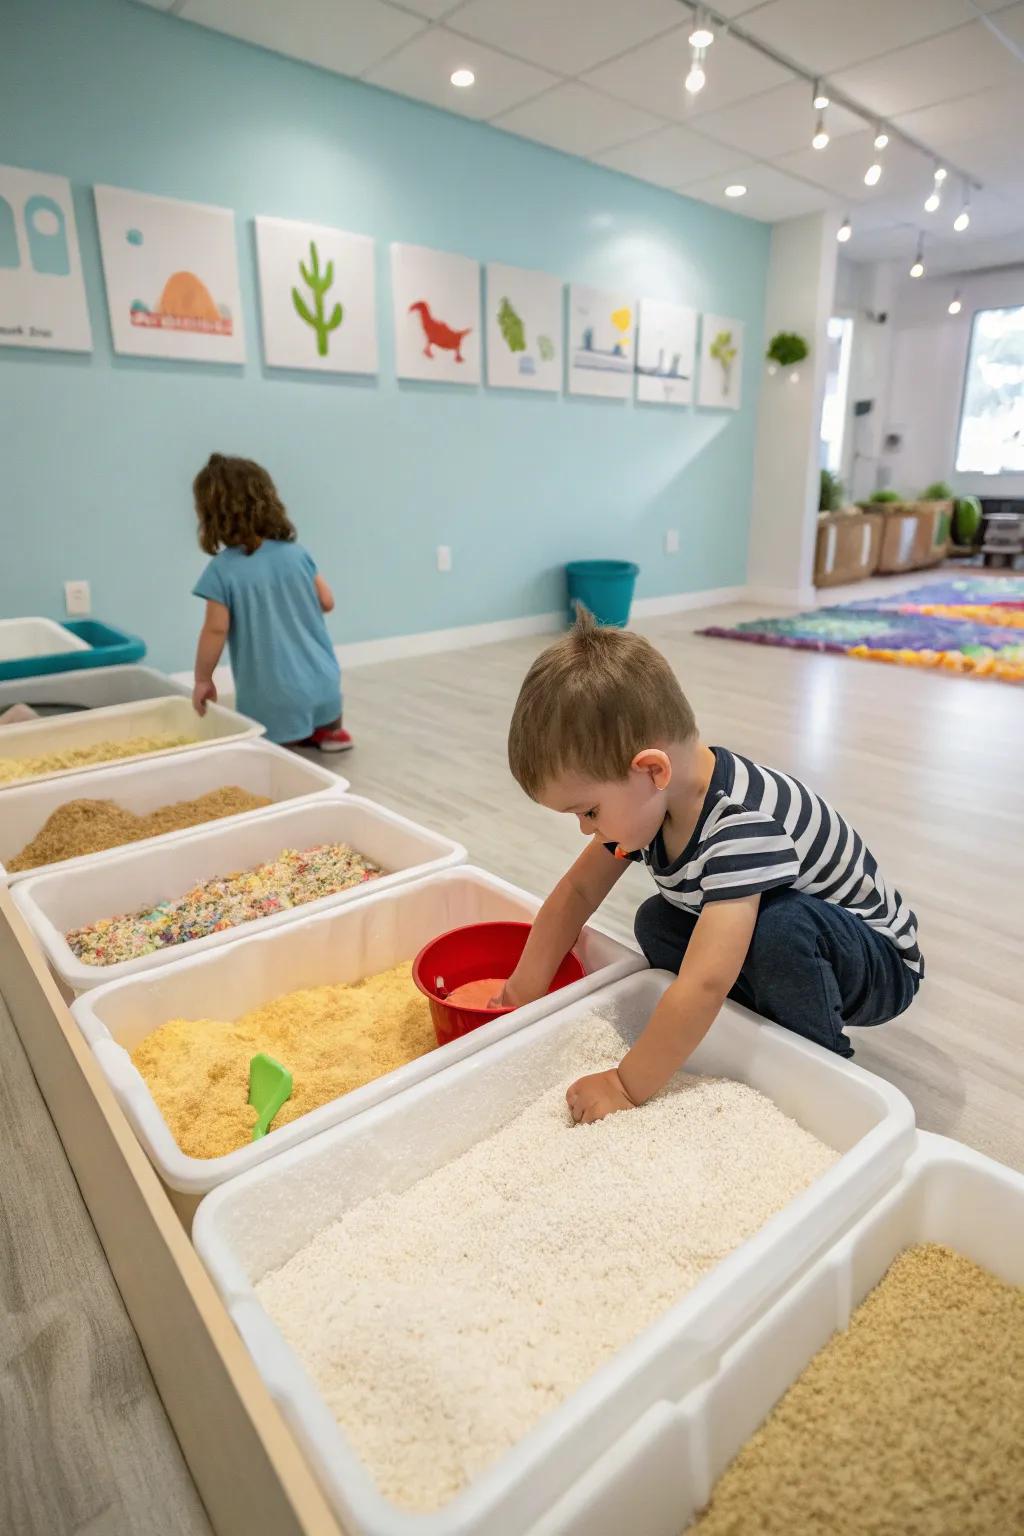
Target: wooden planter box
{"type": "Point", "coordinates": [848, 547]}
{"type": "Point", "coordinates": [915, 534]}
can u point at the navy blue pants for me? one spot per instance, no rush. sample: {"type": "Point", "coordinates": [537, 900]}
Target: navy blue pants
{"type": "Point", "coordinates": [812, 967]}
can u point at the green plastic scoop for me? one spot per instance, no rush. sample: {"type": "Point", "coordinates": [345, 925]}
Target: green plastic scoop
{"type": "Point", "coordinates": [270, 1086]}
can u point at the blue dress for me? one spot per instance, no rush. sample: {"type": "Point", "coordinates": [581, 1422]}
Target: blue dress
{"type": "Point", "coordinates": [286, 673]}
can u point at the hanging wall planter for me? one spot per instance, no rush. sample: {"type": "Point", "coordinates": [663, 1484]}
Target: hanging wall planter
{"type": "Point", "coordinates": [785, 350]}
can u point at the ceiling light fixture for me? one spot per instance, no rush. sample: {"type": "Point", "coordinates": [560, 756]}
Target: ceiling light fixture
{"type": "Point", "coordinates": [702, 35]}
{"type": "Point", "coordinates": [736, 189]}
{"type": "Point", "coordinates": [940, 174]}
{"type": "Point", "coordinates": [844, 231]}
{"type": "Point", "coordinates": [963, 218]}
{"type": "Point", "coordinates": [873, 174]}
{"type": "Point", "coordinates": [881, 138]}
{"type": "Point", "coordinates": [820, 99]}
{"type": "Point", "coordinates": [462, 78]}
{"type": "Point", "coordinates": [934, 198]}
{"type": "Point", "coordinates": [696, 78]}
{"type": "Point", "coordinates": [820, 140]}
{"type": "Point", "coordinates": [954, 304]}
{"type": "Point", "coordinates": [917, 270]}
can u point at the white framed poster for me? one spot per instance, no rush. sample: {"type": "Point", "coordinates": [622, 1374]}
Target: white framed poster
{"type": "Point", "coordinates": [318, 302]}
{"type": "Point", "coordinates": [436, 299]}
{"type": "Point", "coordinates": [171, 270]}
{"type": "Point", "coordinates": [42, 295]}
{"type": "Point", "coordinates": [602, 337]}
{"type": "Point", "coordinates": [524, 328]}
{"type": "Point", "coordinates": [666, 352]}
{"type": "Point", "coordinates": [721, 362]}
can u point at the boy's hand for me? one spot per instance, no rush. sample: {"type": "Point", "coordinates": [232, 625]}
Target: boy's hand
{"type": "Point", "coordinates": [601, 1093]}
{"type": "Point", "coordinates": [203, 694]}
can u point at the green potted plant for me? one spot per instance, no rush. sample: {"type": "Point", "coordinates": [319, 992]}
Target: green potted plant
{"type": "Point", "coordinates": [785, 350]}
{"type": "Point", "coordinates": [830, 498]}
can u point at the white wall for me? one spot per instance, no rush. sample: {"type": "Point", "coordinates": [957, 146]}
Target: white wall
{"type": "Point", "coordinates": [929, 358]}
{"type": "Point", "coordinates": [864, 292]}
{"type": "Point", "coordinates": [798, 297]}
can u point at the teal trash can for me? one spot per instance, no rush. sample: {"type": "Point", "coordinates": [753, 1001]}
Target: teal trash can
{"type": "Point", "coordinates": [603, 586]}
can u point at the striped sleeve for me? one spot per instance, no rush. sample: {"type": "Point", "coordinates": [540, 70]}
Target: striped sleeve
{"type": "Point", "coordinates": [747, 853]}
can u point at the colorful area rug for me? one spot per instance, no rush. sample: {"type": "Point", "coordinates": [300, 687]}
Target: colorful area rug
{"type": "Point", "coordinates": [972, 627]}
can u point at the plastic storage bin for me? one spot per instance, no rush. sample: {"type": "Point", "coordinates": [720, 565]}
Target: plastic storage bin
{"type": "Point", "coordinates": [119, 722]}
{"type": "Point", "coordinates": [142, 786]}
{"type": "Point", "coordinates": [132, 880]}
{"type": "Point", "coordinates": [256, 1222]}
{"type": "Point", "coordinates": [95, 688]}
{"type": "Point", "coordinates": [93, 645]}
{"type": "Point", "coordinates": [363, 939]}
{"type": "Point", "coordinates": [671, 1458]}
{"type": "Point", "coordinates": [25, 643]}
{"type": "Point", "coordinates": [603, 586]}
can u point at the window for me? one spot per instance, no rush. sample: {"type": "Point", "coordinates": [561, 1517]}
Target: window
{"type": "Point", "coordinates": [992, 418]}
{"type": "Point", "coordinates": [833, 406]}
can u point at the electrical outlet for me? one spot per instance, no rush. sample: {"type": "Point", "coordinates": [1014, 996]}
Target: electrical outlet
{"type": "Point", "coordinates": [77, 599]}
{"type": "Point", "coordinates": [444, 557]}
{"type": "Point", "coordinates": [672, 541]}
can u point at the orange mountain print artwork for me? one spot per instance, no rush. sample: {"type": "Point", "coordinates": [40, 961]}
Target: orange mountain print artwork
{"type": "Point", "coordinates": [185, 304]}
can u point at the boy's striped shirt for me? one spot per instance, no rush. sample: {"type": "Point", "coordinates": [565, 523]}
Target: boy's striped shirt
{"type": "Point", "coordinates": [760, 830]}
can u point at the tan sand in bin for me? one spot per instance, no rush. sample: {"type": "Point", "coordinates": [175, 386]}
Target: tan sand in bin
{"type": "Point", "coordinates": [332, 1039]}
{"type": "Point", "coordinates": [909, 1423]}
{"type": "Point", "coordinates": [90, 826]}
{"type": "Point", "coordinates": [13, 769]}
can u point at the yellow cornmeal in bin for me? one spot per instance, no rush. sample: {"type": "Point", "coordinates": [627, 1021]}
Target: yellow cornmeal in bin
{"type": "Point", "coordinates": [332, 1039]}
{"type": "Point", "coordinates": [14, 769]}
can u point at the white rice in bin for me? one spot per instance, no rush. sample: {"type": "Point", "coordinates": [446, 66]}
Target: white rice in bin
{"type": "Point", "coordinates": [441, 1323]}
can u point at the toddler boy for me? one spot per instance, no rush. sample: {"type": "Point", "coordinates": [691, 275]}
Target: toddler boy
{"type": "Point", "coordinates": [765, 893]}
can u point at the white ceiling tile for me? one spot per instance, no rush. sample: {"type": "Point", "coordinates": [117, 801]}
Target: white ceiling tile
{"type": "Point", "coordinates": [569, 36]}
{"type": "Point", "coordinates": [433, 10]}
{"type": "Point", "coordinates": [950, 65]}
{"type": "Point", "coordinates": [671, 157]}
{"type": "Point", "coordinates": [776, 122]}
{"type": "Point", "coordinates": [316, 31]}
{"type": "Point", "coordinates": [983, 132]}
{"type": "Point", "coordinates": [652, 76]}
{"type": "Point", "coordinates": [770, 194]}
{"type": "Point", "coordinates": [423, 69]}
{"type": "Point", "coordinates": [1000, 251]}
{"type": "Point", "coordinates": [830, 35]}
{"type": "Point", "coordinates": [840, 168]}
{"type": "Point", "coordinates": [576, 119]}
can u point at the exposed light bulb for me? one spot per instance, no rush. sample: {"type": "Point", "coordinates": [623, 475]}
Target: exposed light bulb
{"type": "Point", "coordinates": [820, 140]}
{"type": "Point", "coordinates": [941, 173]}
{"type": "Point", "coordinates": [462, 78]}
{"type": "Point", "coordinates": [917, 270]}
{"type": "Point", "coordinates": [821, 101]}
{"type": "Point", "coordinates": [961, 221]}
{"type": "Point", "coordinates": [702, 35]}
{"type": "Point", "coordinates": [695, 80]}
{"type": "Point", "coordinates": [844, 232]}
{"type": "Point", "coordinates": [881, 139]}
{"type": "Point", "coordinates": [873, 175]}
{"type": "Point", "coordinates": [736, 189]}
{"type": "Point", "coordinates": [931, 204]}
{"type": "Point", "coordinates": [954, 305]}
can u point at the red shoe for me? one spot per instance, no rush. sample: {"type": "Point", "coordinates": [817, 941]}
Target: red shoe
{"type": "Point", "coordinates": [332, 739]}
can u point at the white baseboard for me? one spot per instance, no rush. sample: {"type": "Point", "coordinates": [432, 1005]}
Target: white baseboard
{"type": "Point", "coordinates": [782, 597]}
{"type": "Point", "coordinates": [679, 602]}
{"type": "Point", "coordinates": [363, 653]}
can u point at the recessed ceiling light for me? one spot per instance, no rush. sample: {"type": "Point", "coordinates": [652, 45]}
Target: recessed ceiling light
{"type": "Point", "coordinates": [736, 189]}
{"type": "Point", "coordinates": [463, 78]}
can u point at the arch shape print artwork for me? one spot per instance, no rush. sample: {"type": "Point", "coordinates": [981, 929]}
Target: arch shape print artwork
{"type": "Point", "coordinates": [42, 292]}
{"type": "Point", "coordinates": [47, 237]}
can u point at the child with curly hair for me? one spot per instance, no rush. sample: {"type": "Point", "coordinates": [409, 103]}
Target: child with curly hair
{"type": "Point", "coordinates": [266, 599]}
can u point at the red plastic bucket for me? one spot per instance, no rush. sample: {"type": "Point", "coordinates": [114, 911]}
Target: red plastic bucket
{"type": "Point", "coordinates": [474, 953]}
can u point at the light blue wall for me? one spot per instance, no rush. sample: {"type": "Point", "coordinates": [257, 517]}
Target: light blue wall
{"type": "Point", "coordinates": [98, 453]}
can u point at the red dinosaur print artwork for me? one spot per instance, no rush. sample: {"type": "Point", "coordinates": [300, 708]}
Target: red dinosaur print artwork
{"type": "Point", "coordinates": [438, 334]}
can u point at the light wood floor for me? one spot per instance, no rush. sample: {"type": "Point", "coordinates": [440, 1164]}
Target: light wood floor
{"type": "Point", "coordinates": [928, 768]}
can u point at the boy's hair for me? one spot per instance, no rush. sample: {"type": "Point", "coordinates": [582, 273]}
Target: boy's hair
{"type": "Point", "coordinates": [238, 506]}
{"type": "Point", "coordinates": [590, 703]}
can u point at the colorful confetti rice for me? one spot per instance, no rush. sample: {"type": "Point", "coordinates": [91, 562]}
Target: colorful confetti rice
{"type": "Point", "coordinates": [290, 880]}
